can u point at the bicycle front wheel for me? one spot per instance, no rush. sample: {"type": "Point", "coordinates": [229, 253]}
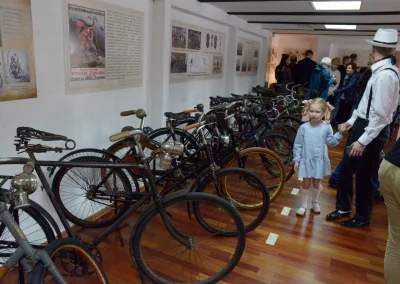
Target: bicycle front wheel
{"type": "Point", "coordinates": [73, 260]}
{"type": "Point", "coordinates": [209, 257]}
{"type": "Point", "coordinates": [266, 164]}
{"type": "Point", "coordinates": [241, 188]}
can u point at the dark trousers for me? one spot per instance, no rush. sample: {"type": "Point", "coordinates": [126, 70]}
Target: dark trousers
{"type": "Point", "coordinates": [364, 168]}
{"type": "Point", "coordinates": [344, 111]}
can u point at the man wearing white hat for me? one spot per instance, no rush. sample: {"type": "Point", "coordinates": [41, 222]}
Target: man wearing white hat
{"type": "Point", "coordinates": [369, 134]}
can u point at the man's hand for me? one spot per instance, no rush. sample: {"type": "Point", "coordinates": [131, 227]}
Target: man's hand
{"type": "Point", "coordinates": [344, 127]}
{"type": "Point", "coordinates": [357, 149]}
{"type": "Point", "coordinates": [296, 167]}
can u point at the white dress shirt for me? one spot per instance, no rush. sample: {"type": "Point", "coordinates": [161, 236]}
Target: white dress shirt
{"type": "Point", "coordinates": [385, 98]}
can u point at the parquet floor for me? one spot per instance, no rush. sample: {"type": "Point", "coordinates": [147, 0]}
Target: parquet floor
{"type": "Point", "coordinates": [308, 249]}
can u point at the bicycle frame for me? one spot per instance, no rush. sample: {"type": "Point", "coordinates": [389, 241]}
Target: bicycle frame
{"type": "Point", "coordinates": [25, 251]}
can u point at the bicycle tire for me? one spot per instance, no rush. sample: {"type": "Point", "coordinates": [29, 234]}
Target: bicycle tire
{"type": "Point", "coordinates": [287, 155]}
{"type": "Point", "coordinates": [97, 223]}
{"type": "Point", "coordinates": [276, 160]}
{"type": "Point", "coordinates": [255, 182]}
{"type": "Point", "coordinates": [137, 231]}
{"type": "Point", "coordinates": [40, 271]}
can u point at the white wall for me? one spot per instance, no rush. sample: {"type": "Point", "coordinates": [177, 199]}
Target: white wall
{"type": "Point", "coordinates": [331, 45]}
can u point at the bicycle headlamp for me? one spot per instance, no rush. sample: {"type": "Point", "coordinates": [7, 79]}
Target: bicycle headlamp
{"type": "Point", "coordinates": [25, 183]}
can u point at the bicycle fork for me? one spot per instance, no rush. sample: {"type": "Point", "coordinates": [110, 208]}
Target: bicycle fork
{"type": "Point", "coordinates": [25, 253]}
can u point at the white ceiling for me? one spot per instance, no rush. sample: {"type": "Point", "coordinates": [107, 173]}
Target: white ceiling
{"type": "Point", "coordinates": [313, 24]}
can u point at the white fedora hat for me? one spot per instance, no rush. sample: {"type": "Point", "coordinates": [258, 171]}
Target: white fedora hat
{"type": "Point", "coordinates": [385, 38]}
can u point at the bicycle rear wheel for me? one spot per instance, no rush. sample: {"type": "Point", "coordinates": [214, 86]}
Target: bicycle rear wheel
{"type": "Point", "coordinates": [283, 147]}
{"type": "Point", "coordinates": [163, 259]}
{"type": "Point", "coordinates": [73, 260]}
{"type": "Point", "coordinates": [74, 191]}
{"type": "Point", "coordinates": [290, 120]}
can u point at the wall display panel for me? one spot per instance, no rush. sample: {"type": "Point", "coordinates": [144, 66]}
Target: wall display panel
{"type": "Point", "coordinates": [103, 46]}
{"type": "Point", "coordinates": [248, 53]}
{"type": "Point", "coordinates": [196, 52]}
{"type": "Point", "coordinates": [17, 62]}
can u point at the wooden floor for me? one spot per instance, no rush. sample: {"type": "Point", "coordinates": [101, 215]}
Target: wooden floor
{"type": "Point", "coordinates": [308, 249]}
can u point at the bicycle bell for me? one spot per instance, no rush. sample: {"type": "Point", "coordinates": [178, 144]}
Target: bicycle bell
{"type": "Point", "coordinates": [25, 183]}
{"type": "Point", "coordinates": [171, 149]}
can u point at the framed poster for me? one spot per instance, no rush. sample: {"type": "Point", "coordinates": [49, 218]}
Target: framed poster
{"type": "Point", "coordinates": [247, 57]}
{"type": "Point", "coordinates": [196, 52]}
{"type": "Point", "coordinates": [17, 58]}
{"type": "Point", "coordinates": [103, 46]}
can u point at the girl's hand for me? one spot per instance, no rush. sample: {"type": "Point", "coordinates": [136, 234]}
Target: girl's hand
{"type": "Point", "coordinates": [296, 167]}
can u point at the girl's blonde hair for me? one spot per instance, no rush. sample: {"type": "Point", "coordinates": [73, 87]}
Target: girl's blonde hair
{"type": "Point", "coordinates": [325, 107]}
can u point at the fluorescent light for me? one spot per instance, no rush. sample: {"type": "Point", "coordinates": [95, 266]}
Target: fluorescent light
{"type": "Point", "coordinates": [337, 5]}
{"type": "Point", "coordinates": [341, 27]}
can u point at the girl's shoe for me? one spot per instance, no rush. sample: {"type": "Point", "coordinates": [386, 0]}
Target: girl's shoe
{"type": "Point", "coordinates": [301, 211]}
{"type": "Point", "coordinates": [315, 208]}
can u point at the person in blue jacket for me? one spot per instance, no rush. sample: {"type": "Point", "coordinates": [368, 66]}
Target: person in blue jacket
{"type": "Point", "coordinates": [346, 97]}
{"type": "Point", "coordinates": [321, 80]}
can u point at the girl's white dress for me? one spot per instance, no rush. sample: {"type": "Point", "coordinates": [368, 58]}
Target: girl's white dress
{"type": "Point", "coordinates": [311, 151]}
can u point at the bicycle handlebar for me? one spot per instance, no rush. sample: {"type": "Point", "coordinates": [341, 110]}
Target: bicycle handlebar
{"type": "Point", "coordinates": [140, 113]}
{"type": "Point", "coordinates": [120, 136]}
{"type": "Point", "coordinates": [127, 113]}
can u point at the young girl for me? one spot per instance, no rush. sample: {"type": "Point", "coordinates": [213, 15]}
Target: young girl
{"type": "Point", "coordinates": [311, 152]}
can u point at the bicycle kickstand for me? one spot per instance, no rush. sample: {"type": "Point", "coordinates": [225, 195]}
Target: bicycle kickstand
{"type": "Point", "coordinates": [120, 234]}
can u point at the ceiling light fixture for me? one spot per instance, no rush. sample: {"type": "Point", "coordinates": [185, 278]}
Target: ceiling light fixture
{"type": "Point", "coordinates": [336, 5]}
{"type": "Point", "coordinates": [341, 27]}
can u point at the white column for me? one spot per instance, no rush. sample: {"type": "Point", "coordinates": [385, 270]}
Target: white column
{"type": "Point", "coordinates": [262, 62]}
{"type": "Point", "coordinates": [230, 59]}
{"type": "Point", "coordinates": [160, 62]}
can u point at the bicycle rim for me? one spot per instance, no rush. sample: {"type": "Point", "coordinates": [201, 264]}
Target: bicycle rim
{"type": "Point", "coordinates": [73, 261]}
{"type": "Point", "coordinates": [267, 165]}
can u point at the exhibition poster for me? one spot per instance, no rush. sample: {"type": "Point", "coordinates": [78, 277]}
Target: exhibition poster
{"type": "Point", "coordinates": [17, 61]}
{"type": "Point", "coordinates": [247, 57]}
{"type": "Point", "coordinates": [196, 52]}
{"type": "Point", "coordinates": [103, 46]}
